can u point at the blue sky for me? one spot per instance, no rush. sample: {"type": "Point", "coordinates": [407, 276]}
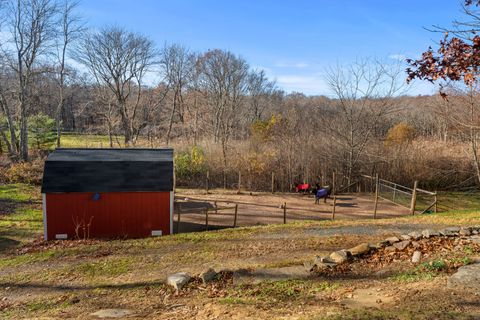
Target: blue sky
{"type": "Point", "coordinates": [294, 41]}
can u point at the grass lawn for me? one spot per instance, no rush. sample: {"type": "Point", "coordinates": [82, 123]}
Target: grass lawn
{"type": "Point", "coordinates": [71, 279]}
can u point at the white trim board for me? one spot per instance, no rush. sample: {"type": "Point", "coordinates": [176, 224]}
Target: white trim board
{"type": "Point", "coordinates": [44, 209]}
{"type": "Point", "coordinates": [172, 197]}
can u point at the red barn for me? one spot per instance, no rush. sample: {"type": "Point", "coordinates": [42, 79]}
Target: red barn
{"type": "Point", "coordinates": [108, 193]}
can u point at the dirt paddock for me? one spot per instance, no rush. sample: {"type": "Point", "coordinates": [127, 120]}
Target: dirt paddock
{"type": "Point", "coordinates": [267, 208]}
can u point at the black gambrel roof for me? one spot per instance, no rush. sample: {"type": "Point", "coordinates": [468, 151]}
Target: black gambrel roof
{"type": "Point", "coordinates": [108, 170]}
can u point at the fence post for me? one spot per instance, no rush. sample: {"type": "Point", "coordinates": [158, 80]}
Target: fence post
{"type": "Point", "coordinates": [273, 182]}
{"type": "Point", "coordinates": [333, 183]}
{"type": "Point", "coordinates": [239, 181]}
{"type": "Point", "coordinates": [394, 191]}
{"type": "Point", "coordinates": [436, 202]}
{"type": "Point", "coordinates": [376, 196]}
{"type": "Point", "coordinates": [285, 213]}
{"type": "Point", "coordinates": [333, 209]}
{"type": "Point", "coordinates": [215, 204]}
{"type": "Point", "coordinates": [235, 216]}
{"type": "Point", "coordinates": [414, 198]}
{"type": "Point", "coordinates": [207, 181]}
{"type": "Point", "coordinates": [206, 219]}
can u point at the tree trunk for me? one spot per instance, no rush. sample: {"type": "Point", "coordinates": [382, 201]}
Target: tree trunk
{"type": "Point", "coordinates": [23, 135]}
{"type": "Point", "coordinates": [172, 115]}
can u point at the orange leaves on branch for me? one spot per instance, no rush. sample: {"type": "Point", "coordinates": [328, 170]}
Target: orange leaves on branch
{"type": "Point", "coordinates": [455, 60]}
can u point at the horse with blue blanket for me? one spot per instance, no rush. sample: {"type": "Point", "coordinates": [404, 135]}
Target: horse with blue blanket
{"type": "Point", "coordinates": [323, 192]}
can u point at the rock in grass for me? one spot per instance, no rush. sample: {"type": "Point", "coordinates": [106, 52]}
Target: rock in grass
{"type": "Point", "coordinates": [417, 255]}
{"type": "Point", "coordinates": [309, 266]}
{"type": "Point", "coordinates": [112, 313]}
{"type": "Point", "coordinates": [208, 275]}
{"type": "Point", "coordinates": [427, 233]}
{"type": "Point", "coordinates": [392, 240]}
{"type": "Point", "coordinates": [401, 245]}
{"type": "Point", "coordinates": [378, 245]}
{"type": "Point", "coordinates": [465, 232]}
{"type": "Point", "coordinates": [415, 235]}
{"type": "Point", "coordinates": [324, 262]}
{"type": "Point", "coordinates": [360, 249]}
{"type": "Point", "coordinates": [340, 256]}
{"type": "Point", "coordinates": [178, 280]}
{"type": "Point", "coordinates": [450, 232]}
{"type": "Point", "coordinates": [466, 277]}
{"type": "Point", "coordinates": [405, 237]}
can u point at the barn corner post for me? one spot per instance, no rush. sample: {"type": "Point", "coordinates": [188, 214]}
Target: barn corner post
{"type": "Point", "coordinates": [44, 210]}
{"type": "Point", "coordinates": [172, 195]}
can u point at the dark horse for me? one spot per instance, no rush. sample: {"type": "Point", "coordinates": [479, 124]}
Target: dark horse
{"type": "Point", "coordinates": [324, 193]}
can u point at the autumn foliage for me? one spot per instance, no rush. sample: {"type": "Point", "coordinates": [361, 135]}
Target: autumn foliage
{"type": "Point", "coordinates": [455, 59]}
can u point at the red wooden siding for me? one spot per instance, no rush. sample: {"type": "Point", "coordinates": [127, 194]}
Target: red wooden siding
{"type": "Point", "coordinates": [115, 214]}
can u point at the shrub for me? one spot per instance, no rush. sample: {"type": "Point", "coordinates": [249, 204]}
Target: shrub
{"type": "Point", "coordinates": [190, 163]}
{"type": "Point", "coordinates": [24, 172]}
{"type": "Point", "coordinates": [399, 134]}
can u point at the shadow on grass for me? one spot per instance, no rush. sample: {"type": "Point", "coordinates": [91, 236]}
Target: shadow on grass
{"type": "Point", "coordinates": [186, 227]}
{"type": "Point", "coordinates": [7, 243]}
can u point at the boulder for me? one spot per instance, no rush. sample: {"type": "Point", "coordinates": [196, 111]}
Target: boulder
{"type": "Point", "coordinates": [392, 240]}
{"type": "Point", "coordinates": [178, 280]}
{"type": "Point", "coordinates": [324, 262]}
{"type": "Point", "coordinates": [378, 245]}
{"type": "Point", "coordinates": [466, 277]}
{"type": "Point", "coordinates": [427, 233]}
{"type": "Point", "coordinates": [465, 232]}
{"type": "Point", "coordinates": [405, 237]}
{"type": "Point", "coordinates": [390, 248]}
{"type": "Point", "coordinates": [450, 232]}
{"type": "Point", "coordinates": [401, 245]}
{"type": "Point", "coordinates": [309, 266]}
{"type": "Point", "coordinates": [208, 275]}
{"type": "Point", "coordinates": [416, 257]}
{"type": "Point", "coordinates": [340, 256]}
{"type": "Point", "coordinates": [360, 249]}
{"type": "Point", "coordinates": [415, 235]}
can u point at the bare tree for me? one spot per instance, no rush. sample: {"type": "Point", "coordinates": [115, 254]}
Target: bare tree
{"type": "Point", "coordinates": [119, 60]}
{"type": "Point", "coordinates": [177, 67]}
{"type": "Point", "coordinates": [260, 90]}
{"type": "Point", "coordinates": [364, 93]}
{"type": "Point", "coordinates": [224, 78]}
{"type": "Point", "coordinates": [70, 30]}
{"type": "Point", "coordinates": [31, 28]}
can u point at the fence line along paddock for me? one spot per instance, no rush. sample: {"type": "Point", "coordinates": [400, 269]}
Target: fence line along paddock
{"type": "Point", "coordinates": [266, 208]}
{"type": "Point", "coordinates": [210, 214]}
{"type": "Point", "coordinates": [403, 196]}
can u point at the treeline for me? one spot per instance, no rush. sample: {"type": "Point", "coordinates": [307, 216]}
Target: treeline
{"type": "Point", "coordinates": [221, 115]}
